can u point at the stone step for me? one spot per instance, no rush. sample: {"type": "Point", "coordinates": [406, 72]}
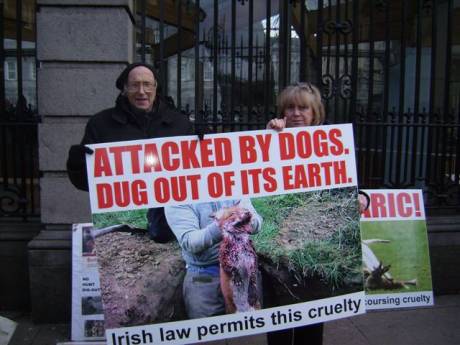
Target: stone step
{"type": "Point", "coordinates": [15, 231]}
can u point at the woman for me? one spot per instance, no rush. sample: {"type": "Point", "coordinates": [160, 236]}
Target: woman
{"type": "Point", "coordinates": [301, 105]}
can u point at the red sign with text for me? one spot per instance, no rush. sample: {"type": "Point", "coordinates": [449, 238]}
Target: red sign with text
{"type": "Point", "coordinates": [168, 171]}
{"type": "Point", "coordinates": [394, 205]}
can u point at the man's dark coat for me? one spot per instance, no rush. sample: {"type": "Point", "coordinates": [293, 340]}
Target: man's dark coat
{"type": "Point", "coordinates": [122, 123]}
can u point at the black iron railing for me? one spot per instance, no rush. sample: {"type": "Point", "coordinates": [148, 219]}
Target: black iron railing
{"type": "Point", "coordinates": [411, 151]}
{"type": "Point", "coordinates": [386, 66]}
{"type": "Point", "coordinates": [19, 179]}
{"type": "Point", "coordinates": [19, 174]}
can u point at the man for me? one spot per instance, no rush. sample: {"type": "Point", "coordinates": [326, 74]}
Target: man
{"type": "Point", "coordinates": [139, 113]}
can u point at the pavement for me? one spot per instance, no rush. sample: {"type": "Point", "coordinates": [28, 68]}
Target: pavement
{"type": "Point", "coordinates": [437, 325]}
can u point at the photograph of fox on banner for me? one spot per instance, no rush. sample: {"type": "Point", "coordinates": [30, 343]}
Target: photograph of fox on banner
{"type": "Point", "coordinates": [303, 239]}
{"type": "Point", "coordinates": [307, 246]}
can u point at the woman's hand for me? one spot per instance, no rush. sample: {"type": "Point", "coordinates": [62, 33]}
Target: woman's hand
{"type": "Point", "coordinates": [364, 201]}
{"type": "Point", "coordinates": [277, 124]}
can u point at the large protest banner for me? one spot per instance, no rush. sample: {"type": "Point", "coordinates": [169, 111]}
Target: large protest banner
{"type": "Point", "coordinates": [395, 250]}
{"type": "Point", "coordinates": [302, 182]}
{"type": "Point", "coordinates": [87, 315]}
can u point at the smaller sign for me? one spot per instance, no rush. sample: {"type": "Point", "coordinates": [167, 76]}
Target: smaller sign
{"type": "Point", "coordinates": [396, 259]}
{"type": "Point", "coordinates": [87, 312]}
{"type": "Point", "coordinates": [394, 205]}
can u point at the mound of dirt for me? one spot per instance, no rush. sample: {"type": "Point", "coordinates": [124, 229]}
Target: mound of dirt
{"type": "Point", "coordinates": [306, 223]}
{"type": "Point", "coordinates": [141, 280]}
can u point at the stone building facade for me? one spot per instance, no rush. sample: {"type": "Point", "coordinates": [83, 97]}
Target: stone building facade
{"type": "Point", "coordinates": [77, 68]}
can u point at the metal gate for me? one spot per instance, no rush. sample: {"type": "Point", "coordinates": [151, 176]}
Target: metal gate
{"type": "Point", "coordinates": [19, 191]}
{"type": "Point", "coordinates": [387, 66]}
{"type": "Point", "coordinates": [390, 67]}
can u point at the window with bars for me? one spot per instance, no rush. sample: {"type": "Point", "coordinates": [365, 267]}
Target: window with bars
{"type": "Point", "coordinates": [11, 70]}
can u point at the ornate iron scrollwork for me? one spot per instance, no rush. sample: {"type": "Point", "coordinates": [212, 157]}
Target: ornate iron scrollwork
{"type": "Point", "coordinates": [344, 27]}
{"type": "Point", "coordinates": [346, 90]}
{"type": "Point", "coordinates": [341, 86]}
{"type": "Point", "coordinates": [329, 27]}
{"type": "Point", "coordinates": [328, 86]}
{"type": "Point", "coordinates": [11, 200]}
{"type": "Point", "coordinates": [332, 27]}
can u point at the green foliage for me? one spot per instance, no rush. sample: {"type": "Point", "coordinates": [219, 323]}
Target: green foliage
{"type": "Point", "coordinates": [135, 218]}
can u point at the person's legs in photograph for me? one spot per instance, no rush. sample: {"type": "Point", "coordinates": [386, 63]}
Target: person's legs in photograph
{"type": "Point", "coordinates": [202, 295]}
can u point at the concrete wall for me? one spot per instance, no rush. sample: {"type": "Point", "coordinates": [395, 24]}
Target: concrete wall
{"type": "Point", "coordinates": [81, 48]}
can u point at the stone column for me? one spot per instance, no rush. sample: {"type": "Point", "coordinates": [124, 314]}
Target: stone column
{"type": "Point", "coordinates": [82, 45]}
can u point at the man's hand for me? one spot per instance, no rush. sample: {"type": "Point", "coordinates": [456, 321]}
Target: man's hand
{"type": "Point", "coordinates": [77, 155]}
{"type": "Point", "coordinates": [201, 131]}
{"type": "Point", "coordinates": [277, 124]}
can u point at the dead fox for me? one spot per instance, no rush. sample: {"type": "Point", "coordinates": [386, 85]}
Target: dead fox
{"type": "Point", "coordinates": [238, 260]}
{"type": "Point", "coordinates": [376, 279]}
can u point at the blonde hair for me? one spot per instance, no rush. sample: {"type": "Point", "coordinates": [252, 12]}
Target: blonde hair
{"type": "Point", "coordinates": [303, 94]}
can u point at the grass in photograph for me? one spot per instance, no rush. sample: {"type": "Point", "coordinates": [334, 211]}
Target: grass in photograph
{"type": "Point", "coordinates": [313, 234]}
{"type": "Point", "coordinates": [134, 218]}
{"type": "Point", "coordinates": [407, 251]}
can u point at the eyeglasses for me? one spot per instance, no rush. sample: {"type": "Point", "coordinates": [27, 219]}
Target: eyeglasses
{"type": "Point", "coordinates": [147, 86]}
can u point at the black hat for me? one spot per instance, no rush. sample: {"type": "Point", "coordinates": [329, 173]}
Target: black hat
{"type": "Point", "coordinates": [123, 78]}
